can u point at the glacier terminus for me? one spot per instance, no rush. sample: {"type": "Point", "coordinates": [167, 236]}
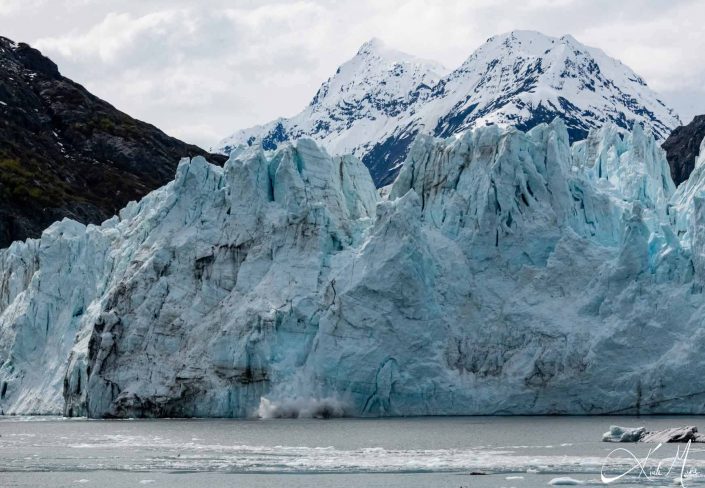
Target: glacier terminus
{"type": "Point", "coordinates": [503, 272]}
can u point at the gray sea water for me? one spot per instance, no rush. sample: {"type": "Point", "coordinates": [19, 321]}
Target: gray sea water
{"type": "Point", "coordinates": [411, 452]}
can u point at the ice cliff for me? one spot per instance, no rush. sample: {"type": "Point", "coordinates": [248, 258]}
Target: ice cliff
{"type": "Point", "coordinates": [505, 273]}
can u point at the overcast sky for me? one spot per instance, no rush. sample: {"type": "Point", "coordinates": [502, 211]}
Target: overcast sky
{"type": "Point", "coordinates": [200, 70]}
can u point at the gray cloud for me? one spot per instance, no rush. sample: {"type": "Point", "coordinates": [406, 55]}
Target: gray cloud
{"type": "Point", "coordinates": [200, 70]}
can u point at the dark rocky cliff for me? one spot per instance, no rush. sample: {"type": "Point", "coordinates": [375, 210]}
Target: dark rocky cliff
{"type": "Point", "coordinates": [66, 153]}
{"type": "Point", "coordinates": [682, 148]}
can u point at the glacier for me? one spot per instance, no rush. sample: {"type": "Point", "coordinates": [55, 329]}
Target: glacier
{"type": "Point", "coordinates": [503, 272]}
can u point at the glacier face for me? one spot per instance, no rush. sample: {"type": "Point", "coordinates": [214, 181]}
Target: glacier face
{"type": "Point", "coordinates": [377, 102]}
{"type": "Point", "coordinates": [507, 272]}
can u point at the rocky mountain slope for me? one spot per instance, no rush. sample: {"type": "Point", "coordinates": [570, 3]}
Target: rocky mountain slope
{"type": "Point", "coordinates": [508, 272]}
{"type": "Point", "coordinates": [66, 153]}
{"type": "Point", "coordinates": [682, 148]}
{"type": "Point", "coordinates": [377, 102]}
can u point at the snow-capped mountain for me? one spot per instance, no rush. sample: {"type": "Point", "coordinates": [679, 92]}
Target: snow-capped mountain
{"type": "Point", "coordinates": [369, 96]}
{"type": "Point", "coordinates": [377, 102]}
{"type": "Point", "coordinates": [507, 272]}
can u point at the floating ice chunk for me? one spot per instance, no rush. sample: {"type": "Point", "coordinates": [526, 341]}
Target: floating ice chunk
{"type": "Point", "coordinates": [674, 434]}
{"type": "Point", "coordinates": [564, 481]}
{"type": "Point", "coordinates": [639, 434]}
{"type": "Point", "coordinates": [623, 434]}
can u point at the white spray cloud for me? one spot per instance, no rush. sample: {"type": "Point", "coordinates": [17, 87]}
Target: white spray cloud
{"type": "Point", "coordinates": [301, 407]}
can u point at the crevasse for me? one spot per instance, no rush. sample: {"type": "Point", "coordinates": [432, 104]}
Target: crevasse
{"type": "Point", "coordinates": [505, 273]}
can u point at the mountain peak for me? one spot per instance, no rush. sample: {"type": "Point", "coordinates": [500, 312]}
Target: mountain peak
{"type": "Point", "coordinates": [376, 49]}
{"type": "Point", "coordinates": [526, 42]}
{"type": "Point", "coordinates": [28, 57]}
{"type": "Point", "coordinates": [374, 45]}
{"type": "Point", "coordinates": [7, 43]}
{"type": "Point", "coordinates": [521, 37]}
{"type": "Point", "coordinates": [377, 80]}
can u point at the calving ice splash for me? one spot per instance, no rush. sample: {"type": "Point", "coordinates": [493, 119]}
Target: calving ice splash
{"type": "Point", "coordinates": [506, 272]}
{"type": "Point", "coordinates": [301, 408]}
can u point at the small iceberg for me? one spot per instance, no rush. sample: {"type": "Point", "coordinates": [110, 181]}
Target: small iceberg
{"type": "Point", "coordinates": [674, 434]}
{"type": "Point", "coordinates": [640, 434]}
{"type": "Point", "coordinates": [624, 434]}
{"type": "Point", "coordinates": [564, 481]}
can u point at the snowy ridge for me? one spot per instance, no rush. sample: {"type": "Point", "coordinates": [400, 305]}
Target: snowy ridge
{"type": "Point", "coordinates": [377, 102]}
{"type": "Point", "coordinates": [370, 94]}
{"type": "Point", "coordinates": [507, 272]}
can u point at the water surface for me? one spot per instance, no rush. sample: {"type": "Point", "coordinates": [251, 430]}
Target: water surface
{"type": "Point", "coordinates": [410, 452]}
